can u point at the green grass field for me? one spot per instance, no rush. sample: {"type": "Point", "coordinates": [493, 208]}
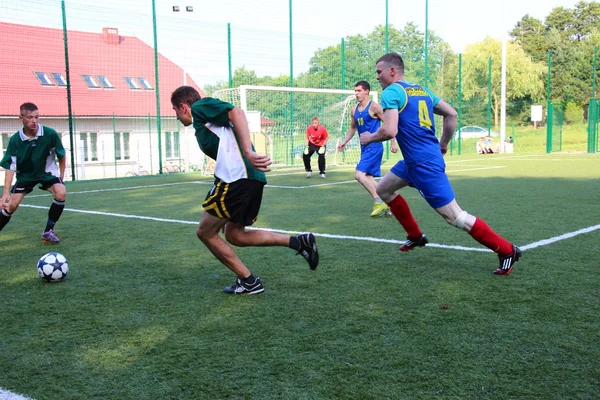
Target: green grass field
{"type": "Point", "coordinates": [142, 314]}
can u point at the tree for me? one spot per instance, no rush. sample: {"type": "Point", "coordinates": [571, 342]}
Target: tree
{"type": "Point", "coordinates": [570, 36]}
{"type": "Point", "coordinates": [524, 77]}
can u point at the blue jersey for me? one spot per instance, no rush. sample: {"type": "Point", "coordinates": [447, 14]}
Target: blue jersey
{"type": "Point", "coordinates": [416, 127]}
{"type": "Point", "coordinates": [365, 122]}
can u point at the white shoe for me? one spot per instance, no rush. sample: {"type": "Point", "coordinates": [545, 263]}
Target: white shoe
{"type": "Point", "coordinates": [308, 174]}
{"type": "Point", "coordinates": [323, 176]}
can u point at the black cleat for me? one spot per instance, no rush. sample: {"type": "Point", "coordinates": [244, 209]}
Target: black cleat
{"type": "Point", "coordinates": [240, 287]}
{"type": "Point", "coordinates": [413, 242]}
{"type": "Point", "coordinates": [506, 263]}
{"type": "Point", "coordinates": [308, 249]}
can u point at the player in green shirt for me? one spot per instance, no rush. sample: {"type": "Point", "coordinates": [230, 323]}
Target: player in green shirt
{"type": "Point", "coordinates": [234, 200]}
{"type": "Point", "coordinates": [31, 155]}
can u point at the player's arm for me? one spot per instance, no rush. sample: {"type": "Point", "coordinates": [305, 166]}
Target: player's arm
{"type": "Point", "coordinates": [378, 113]}
{"type": "Point", "coordinates": [450, 117]}
{"type": "Point", "coordinates": [8, 178]}
{"type": "Point", "coordinates": [387, 131]}
{"type": "Point", "coordinates": [350, 132]}
{"type": "Point", "coordinates": [62, 165]}
{"type": "Point", "coordinates": [240, 123]}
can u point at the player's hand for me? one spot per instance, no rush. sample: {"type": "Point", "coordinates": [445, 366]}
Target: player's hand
{"type": "Point", "coordinates": [306, 150]}
{"type": "Point", "coordinates": [259, 161]}
{"type": "Point", "coordinates": [365, 139]}
{"type": "Point", "coordinates": [341, 146]}
{"type": "Point", "coordinates": [4, 201]}
{"type": "Point", "coordinates": [443, 149]}
{"type": "Point", "coordinates": [322, 150]}
{"type": "Point", "coordinates": [394, 148]}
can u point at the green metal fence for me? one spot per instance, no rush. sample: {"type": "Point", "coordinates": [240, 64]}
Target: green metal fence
{"type": "Point", "coordinates": [103, 74]}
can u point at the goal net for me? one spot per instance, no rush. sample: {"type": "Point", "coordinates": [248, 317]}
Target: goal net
{"type": "Point", "coordinates": [278, 118]}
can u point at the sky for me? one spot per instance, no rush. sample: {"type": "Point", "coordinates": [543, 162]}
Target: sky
{"type": "Point", "coordinates": [197, 40]}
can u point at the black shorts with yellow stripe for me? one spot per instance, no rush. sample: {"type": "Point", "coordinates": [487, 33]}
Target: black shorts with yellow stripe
{"type": "Point", "coordinates": [239, 201]}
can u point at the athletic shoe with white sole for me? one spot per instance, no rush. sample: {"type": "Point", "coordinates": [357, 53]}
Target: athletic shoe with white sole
{"type": "Point", "coordinates": [240, 287]}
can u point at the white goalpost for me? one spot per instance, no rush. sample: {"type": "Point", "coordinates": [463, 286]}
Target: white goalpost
{"type": "Point", "coordinates": [282, 114]}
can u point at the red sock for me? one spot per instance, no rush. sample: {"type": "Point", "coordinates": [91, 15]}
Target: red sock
{"type": "Point", "coordinates": [490, 239]}
{"type": "Point", "coordinates": [401, 211]}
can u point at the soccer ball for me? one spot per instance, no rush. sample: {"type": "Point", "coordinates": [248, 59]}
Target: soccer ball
{"type": "Point", "coordinates": [53, 267]}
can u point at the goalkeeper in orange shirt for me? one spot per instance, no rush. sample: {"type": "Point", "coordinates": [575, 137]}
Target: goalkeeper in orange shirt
{"type": "Point", "coordinates": [316, 139]}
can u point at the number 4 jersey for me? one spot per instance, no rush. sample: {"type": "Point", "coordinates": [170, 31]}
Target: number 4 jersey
{"type": "Point", "coordinates": [416, 127]}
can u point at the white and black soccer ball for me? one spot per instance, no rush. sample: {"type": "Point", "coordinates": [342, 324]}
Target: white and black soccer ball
{"type": "Point", "coordinates": [53, 267]}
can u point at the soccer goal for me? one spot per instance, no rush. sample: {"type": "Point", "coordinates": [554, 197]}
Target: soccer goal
{"type": "Point", "coordinates": [284, 113]}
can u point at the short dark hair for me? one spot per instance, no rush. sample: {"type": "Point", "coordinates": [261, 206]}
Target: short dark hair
{"type": "Point", "coordinates": [185, 95]}
{"type": "Point", "coordinates": [27, 107]}
{"type": "Point", "coordinates": [364, 84]}
{"type": "Point", "coordinates": [315, 119]}
{"type": "Point", "coordinates": [392, 60]}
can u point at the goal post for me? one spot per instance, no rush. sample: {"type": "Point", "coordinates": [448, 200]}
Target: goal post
{"type": "Point", "coordinates": [286, 112]}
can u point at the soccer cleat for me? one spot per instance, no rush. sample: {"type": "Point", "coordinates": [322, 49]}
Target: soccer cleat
{"type": "Point", "coordinates": [240, 287]}
{"type": "Point", "coordinates": [308, 249]}
{"type": "Point", "coordinates": [50, 237]}
{"type": "Point", "coordinates": [379, 209]}
{"type": "Point", "coordinates": [323, 176]}
{"type": "Point", "coordinates": [411, 243]}
{"type": "Point", "coordinates": [506, 263]}
{"type": "Point", "coordinates": [308, 174]}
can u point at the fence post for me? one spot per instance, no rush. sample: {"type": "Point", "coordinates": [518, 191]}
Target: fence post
{"type": "Point", "coordinates": [68, 78]}
{"type": "Point", "coordinates": [550, 110]}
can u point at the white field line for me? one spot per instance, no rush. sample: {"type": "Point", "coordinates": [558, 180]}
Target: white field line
{"type": "Point", "coordinates": [533, 245]}
{"type": "Point", "coordinates": [7, 395]}
{"type": "Point", "coordinates": [210, 182]}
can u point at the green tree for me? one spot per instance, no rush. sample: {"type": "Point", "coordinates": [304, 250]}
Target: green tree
{"type": "Point", "coordinates": [524, 77]}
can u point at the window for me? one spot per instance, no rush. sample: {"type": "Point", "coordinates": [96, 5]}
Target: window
{"type": "Point", "coordinates": [104, 82]}
{"type": "Point", "coordinates": [145, 83]}
{"type": "Point", "coordinates": [59, 78]}
{"type": "Point", "coordinates": [90, 145]}
{"type": "Point", "coordinates": [44, 79]}
{"type": "Point", "coordinates": [172, 144]}
{"type": "Point", "coordinates": [121, 145]}
{"type": "Point", "coordinates": [91, 82]}
{"type": "Point", "coordinates": [4, 142]}
{"type": "Point", "coordinates": [131, 82]}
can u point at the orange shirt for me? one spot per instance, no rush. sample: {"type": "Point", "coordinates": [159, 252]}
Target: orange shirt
{"type": "Point", "coordinates": [317, 137]}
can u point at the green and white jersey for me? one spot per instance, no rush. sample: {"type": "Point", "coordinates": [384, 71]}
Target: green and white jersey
{"type": "Point", "coordinates": [34, 159]}
{"type": "Point", "coordinates": [218, 140]}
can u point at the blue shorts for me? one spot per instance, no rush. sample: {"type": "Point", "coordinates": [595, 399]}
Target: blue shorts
{"type": "Point", "coordinates": [370, 159]}
{"type": "Point", "coordinates": [429, 179]}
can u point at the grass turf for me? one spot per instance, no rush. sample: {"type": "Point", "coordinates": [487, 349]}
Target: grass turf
{"type": "Point", "coordinates": [142, 314]}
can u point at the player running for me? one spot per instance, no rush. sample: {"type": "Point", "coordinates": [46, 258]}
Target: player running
{"type": "Point", "coordinates": [408, 116]}
{"type": "Point", "coordinates": [366, 117]}
{"type": "Point", "coordinates": [31, 155]}
{"type": "Point", "coordinates": [234, 200]}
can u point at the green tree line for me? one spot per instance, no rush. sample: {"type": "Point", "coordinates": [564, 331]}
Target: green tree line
{"type": "Point", "coordinates": [569, 35]}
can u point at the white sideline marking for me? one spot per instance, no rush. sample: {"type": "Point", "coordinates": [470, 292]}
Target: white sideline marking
{"type": "Point", "coordinates": [564, 236]}
{"type": "Point", "coordinates": [7, 395]}
{"type": "Point", "coordinates": [533, 245]}
{"type": "Point", "coordinates": [210, 182]}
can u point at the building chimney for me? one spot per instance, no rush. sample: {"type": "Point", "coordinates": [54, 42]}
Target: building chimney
{"type": "Point", "coordinates": [110, 35]}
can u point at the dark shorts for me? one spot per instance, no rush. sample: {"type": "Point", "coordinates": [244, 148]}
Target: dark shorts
{"type": "Point", "coordinates": [27, 187]}
{"type": "Point", "coordinates": [238, 202]}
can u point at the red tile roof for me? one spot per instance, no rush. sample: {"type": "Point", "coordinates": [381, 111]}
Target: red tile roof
{"type": "Point", "coordinates": [27, 49]}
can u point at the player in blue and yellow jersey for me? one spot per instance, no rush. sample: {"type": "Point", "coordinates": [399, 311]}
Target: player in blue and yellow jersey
{"type": "Point", "coordinates": [31, 156]}
{"type": "Point", "coordinates": [234, 201]}
{"type": "Point", "coordinates": [366, 118]}
{"type": "Point", "coordinates": [408, 116]}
